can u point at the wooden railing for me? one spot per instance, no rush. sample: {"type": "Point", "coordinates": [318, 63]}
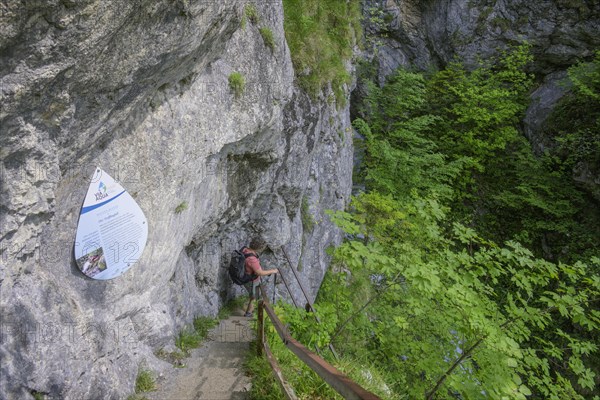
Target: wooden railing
{"type": "Point", "coordinates": [334, 378]}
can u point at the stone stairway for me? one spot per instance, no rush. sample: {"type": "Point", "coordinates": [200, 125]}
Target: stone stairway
{"type": "Point", "coordinates": [215, 371]}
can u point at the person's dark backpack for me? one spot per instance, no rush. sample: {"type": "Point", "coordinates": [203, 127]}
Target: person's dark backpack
{"type": "Point", "coordinates": [237, 267]}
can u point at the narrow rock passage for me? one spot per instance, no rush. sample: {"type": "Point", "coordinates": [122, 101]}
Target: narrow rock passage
{"type": "Point", "coordinates": [214, 371]}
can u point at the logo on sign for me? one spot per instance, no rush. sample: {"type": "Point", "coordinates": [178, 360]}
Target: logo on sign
{"type": "Point", "coordinates": [101, 193]}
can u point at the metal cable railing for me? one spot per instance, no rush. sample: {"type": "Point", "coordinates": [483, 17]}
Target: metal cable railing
{"type": "Point", "coordinates": [309, 305]}
{"type": "Point", "coordinates": [308, 302]}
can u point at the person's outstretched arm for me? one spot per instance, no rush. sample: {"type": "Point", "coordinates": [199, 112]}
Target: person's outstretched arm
{"type": "Point", "coordinates": [263, 272]}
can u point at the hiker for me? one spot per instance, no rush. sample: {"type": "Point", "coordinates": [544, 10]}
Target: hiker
{"type": "Point", "coordinates": [252, 265]}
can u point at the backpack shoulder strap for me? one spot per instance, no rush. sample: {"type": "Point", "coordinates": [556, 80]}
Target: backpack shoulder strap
{"type": "Point", "coordinates": [247, 255]}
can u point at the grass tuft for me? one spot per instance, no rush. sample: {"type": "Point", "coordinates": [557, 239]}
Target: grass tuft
{"type": "Point", "coordinates": [305, 382]}
{"type": "Point", "coordinates": [191, 338]}
{"type": "Point", "coordinates": [231, 306]}
{"type": "Point", "coordinates": [204, 324]}
{"type": "Point", "coordinates": [308, 222]}
{"type": "Point", "coordinates": [237, 83]}
{"type": "Point", "coordinates": [321, 35]}
{"type": "Point", "coordinates": [38, 395]}
{"type": "Point", "coordinates": [187, 340]}
{"type": "Point", "coordinates": [144, 381]}
{"type": "Point", "coordinates": [136, 397]}
{"type": "Point", "coordinates": [173, 357]}
{"type": "Point", "coordinates": [268, 38]}
{"type": "Point", "coordinates": [181, 207]}
{"type": "Point", "coordinates": [251, 13]}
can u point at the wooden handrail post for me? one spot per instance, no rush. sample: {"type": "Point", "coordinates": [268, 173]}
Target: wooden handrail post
{"type": "Point", "coordinates": [260, 339]}
{"type": "Point", "coordinates": [287, 390]}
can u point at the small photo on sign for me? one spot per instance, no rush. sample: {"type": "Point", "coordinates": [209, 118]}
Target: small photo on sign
{"type": "Point", "coordinates": [92, 263]}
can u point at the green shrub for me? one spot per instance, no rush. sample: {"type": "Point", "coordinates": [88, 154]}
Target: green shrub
{"type": "Point", "coordinates": [237, 83]}
{"type": "Point", "coordinates": [181, 207]}
{"type": "Point", "coordinates": [144, 381]}
{"type": "Point", "coordinates": [267, 35]}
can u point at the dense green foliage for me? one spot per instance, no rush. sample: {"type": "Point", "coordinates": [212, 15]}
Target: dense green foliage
{"type": "Point", "coordinates": [130, 397]}
{"type": "Point", "coordinates": [444, 318]}
{"type": "Point", "coordinates": [575, 123]}
{"type": "Point", "coordinates": [454, 136]}
{"type": "Point", "coordinates": [471, 267]}
{"type": "Point", "coordinates": [321, 35]}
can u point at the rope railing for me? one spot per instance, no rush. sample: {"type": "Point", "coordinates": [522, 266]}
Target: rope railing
{"type": "Point", "coordinates": [333, 377]}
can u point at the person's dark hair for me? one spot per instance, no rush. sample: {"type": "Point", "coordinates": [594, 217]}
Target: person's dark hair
{"type": "Point", "coordinates": [258, 243]}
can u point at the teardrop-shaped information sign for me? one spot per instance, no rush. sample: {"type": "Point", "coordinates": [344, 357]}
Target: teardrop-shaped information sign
{"type": "Point", "coordinates": [112, 229]}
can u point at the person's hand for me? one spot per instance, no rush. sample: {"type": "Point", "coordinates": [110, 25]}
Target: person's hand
{"type": "Point", "coordinates": [276, 271]}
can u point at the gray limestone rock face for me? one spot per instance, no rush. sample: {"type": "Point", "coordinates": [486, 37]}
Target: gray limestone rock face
{"type": "Point", "coordinates": [543, 100]}
{"type": "Point", "coordinates": [425, 33]}
{"type": "Point", "coordinates": [140, 88]}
